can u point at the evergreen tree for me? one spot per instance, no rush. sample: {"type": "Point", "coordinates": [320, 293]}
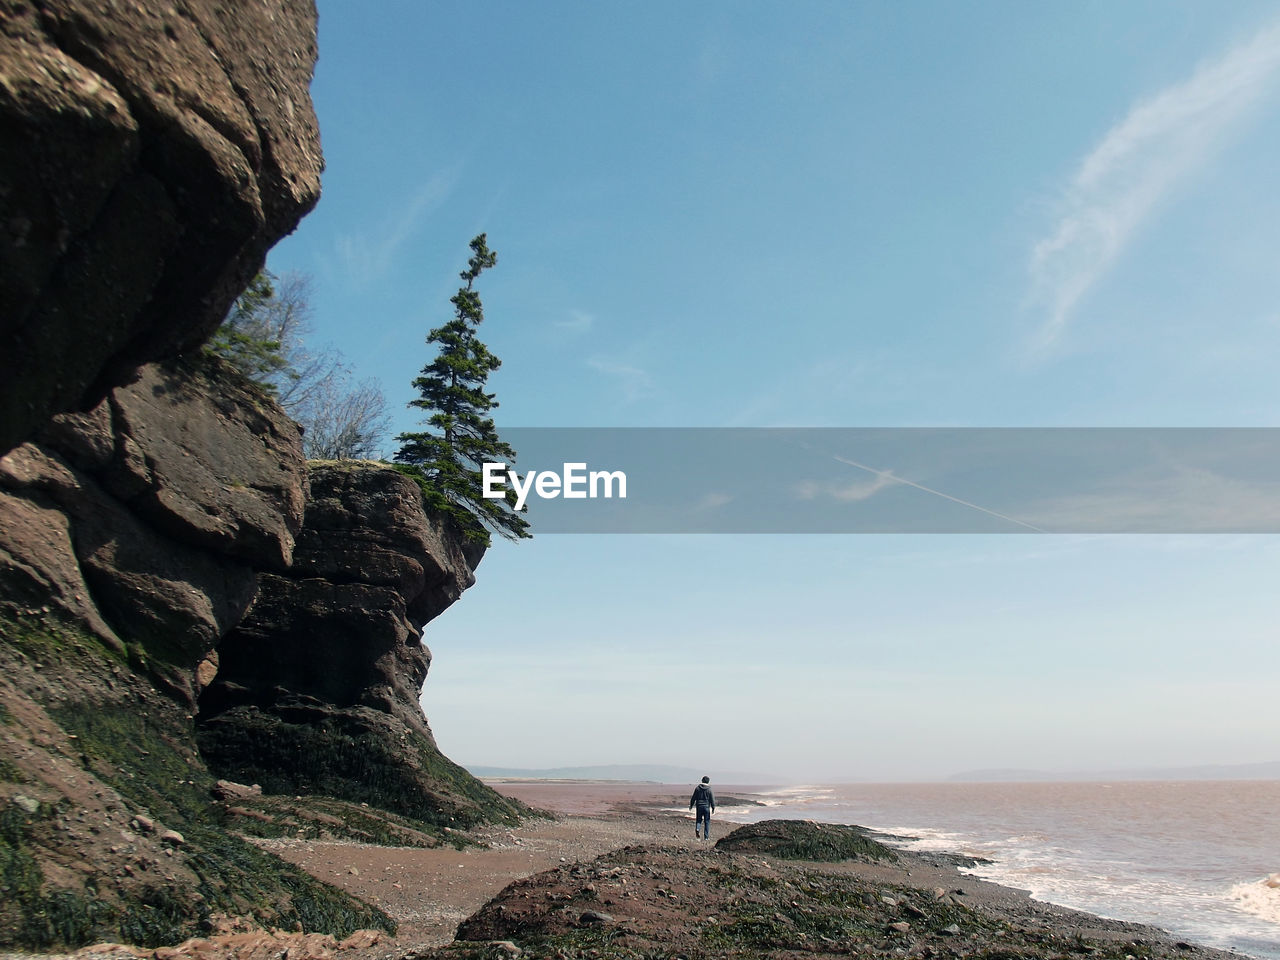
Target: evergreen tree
{"type": "Point", "coordinates": [447, 462]}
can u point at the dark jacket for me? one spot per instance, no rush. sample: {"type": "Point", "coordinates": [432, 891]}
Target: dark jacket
{"type": "Point", "coordinates": [702, 797]}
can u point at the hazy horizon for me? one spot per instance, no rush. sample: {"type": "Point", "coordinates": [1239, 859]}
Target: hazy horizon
{"type": "Point", "coordinates": [671, 775]}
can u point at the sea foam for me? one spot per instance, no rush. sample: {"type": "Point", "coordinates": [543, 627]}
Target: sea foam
{"type": "Point", "coordinates": [1260, 898]}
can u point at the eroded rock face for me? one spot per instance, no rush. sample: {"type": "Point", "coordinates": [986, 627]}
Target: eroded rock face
{"type": "Point", "coordinates": [150, 154]}
{"type": "Point", "coordinates": [132, 539]}
{"type": "Point", "coordinates": [146, 520]}
{"type": "Point", "coordinates": [343, 625]}
{"type": "Point", "coordinates": [317, 689]}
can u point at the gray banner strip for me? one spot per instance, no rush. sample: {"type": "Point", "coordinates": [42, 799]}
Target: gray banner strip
{"type": "Point", "coordinates": [897, 480]}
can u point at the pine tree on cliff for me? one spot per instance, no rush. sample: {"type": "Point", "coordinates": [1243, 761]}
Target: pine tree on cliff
{"type": "Point", "coordinates": [446, 461]}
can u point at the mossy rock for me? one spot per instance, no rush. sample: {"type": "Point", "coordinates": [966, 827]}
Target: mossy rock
{"type": "Point", "coordinates": [329, 819]}
{"type": "Point", "coordinates": [806, 840]}
{"type": "Point", "coordinates": [357, 755]}
{"type": "Point", "coordinates": [67, 876]}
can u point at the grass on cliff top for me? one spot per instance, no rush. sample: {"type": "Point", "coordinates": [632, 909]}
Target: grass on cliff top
{"type": "Point", "coordinates": [352, 465]}
{"type": "Point", "coordinates": [805, 840]}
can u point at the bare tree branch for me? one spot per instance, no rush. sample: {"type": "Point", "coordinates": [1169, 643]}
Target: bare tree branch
{"type": "Point", "coordinates": [265, 335]}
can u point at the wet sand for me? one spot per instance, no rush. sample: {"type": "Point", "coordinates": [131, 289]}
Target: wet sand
{"type": "Point", "coordinates": [429, 892]}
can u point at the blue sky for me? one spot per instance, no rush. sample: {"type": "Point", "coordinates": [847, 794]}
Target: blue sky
{"type": "Point", "coordinates": [827, 214]}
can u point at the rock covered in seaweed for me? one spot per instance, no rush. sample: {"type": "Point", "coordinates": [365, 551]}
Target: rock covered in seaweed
{"type": "Point", "coordinates": [807, 840]}
{"type": "Point", "coordinates": [317, 690]}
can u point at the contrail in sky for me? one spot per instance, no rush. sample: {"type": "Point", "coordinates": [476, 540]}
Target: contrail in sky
{"type": "Point", "coordinates": [889, 475]}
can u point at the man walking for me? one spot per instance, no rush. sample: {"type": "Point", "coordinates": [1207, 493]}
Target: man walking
{"type": "Point", "coordinates": [705, 801]}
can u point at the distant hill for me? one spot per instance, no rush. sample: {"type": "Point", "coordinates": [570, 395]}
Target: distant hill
{"type": "Point", "coordinates": [1236, 771]}
{"type": "Point", "coordinates": [636, 772]}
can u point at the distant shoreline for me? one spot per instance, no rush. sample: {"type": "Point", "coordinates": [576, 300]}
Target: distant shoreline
{"type": "Point", "coordinates": [1244, 773]}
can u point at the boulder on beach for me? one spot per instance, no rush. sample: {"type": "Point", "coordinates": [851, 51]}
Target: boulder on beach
{"type": "Point", "coordinates": [807, 840]}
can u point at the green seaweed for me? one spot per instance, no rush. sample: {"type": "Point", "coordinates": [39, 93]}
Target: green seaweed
{"type": "Point", "coordinates": [11, 773]}
{"type": "Point", "coordinates": [328, 818]}
{"type": "Point", "coordinates": [31, 915]}
{"type": "Point", "coordinates": [143, 754]}
{"type": "Point", "coordinates": [45, 636]}
{"type": "Point", "coordinates": [20, 874]}
{"type": "Point", "coordinates": [343, 758]}
{"type": "Point", "coordinates": [803, 840]}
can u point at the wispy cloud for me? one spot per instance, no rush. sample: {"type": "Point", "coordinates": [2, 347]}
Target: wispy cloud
{"type": "Point", "coordinates": [854, 492]}
{"type": "Point", "coordinates": [831, 384]}
{"type": "Point", "coordinates": [711, 501]}
{"type": "Point", "coordinates": [634, 382]}
{"type": "Point", "coordinates": [366, 256]}
{"type": "Point", "coordinates": [1189, 500]}
{"type": "Point", "coordinates": [578, 321]}
{"type": "Point", "coordinates": [1136, 166]}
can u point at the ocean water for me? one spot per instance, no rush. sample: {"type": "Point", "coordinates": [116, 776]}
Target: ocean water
{"type": "Point", "coordinates": [1199, 859]}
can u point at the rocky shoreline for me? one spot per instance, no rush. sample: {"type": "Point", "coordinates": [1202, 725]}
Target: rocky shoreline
{"type": "Point", "coordinates": [614, 873]}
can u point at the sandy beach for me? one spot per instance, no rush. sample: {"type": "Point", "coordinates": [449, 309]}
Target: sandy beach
{"type": "Point", "coordinates": [429, 892]}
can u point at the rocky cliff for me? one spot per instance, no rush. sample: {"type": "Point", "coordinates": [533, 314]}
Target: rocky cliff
{"type": "Point", "coordinates": [133, 539]}
{"type": "Point", "coordinates": [145, 521]}
{"type": "Point", "coordinates": [149, 155]}
{"type": "Point", "coordinates": [317, 689]}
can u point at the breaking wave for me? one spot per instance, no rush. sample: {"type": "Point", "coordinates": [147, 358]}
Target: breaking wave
{"type": "Point", "coordinates": [1260, 898]}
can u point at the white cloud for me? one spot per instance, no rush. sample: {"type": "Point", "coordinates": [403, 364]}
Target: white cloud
{"type": "Point", "coordinates": [1188, 500]}
{"type": "Point", "coordinates": [578, 321]}
{"type": "Point", "coordinates": [712, 501]}
{"type": "Point", "coordinates": [1136, 165]}
{"type": "Point", "coordinates": [634, 382]}
{"type": "Point", "coordinates": [366, 256]}
{"type": "Point", "coordinates": [854, 492]}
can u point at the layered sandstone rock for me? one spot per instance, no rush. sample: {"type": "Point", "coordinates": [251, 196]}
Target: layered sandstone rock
{"type": "Point", "coordinates": [317, 689]}
{"type": "Point", "coordinates": [132, 539]}
{"type": "Point", "coordinates": [147, 520]}
{"type": "Point", "coordinates": [150, 154]}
